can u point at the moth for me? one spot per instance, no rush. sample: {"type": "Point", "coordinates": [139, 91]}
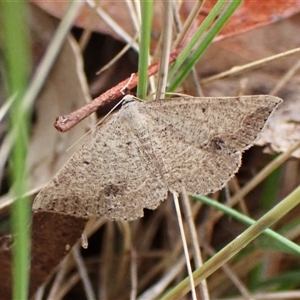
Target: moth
{"type": "Point", "coordinates": [147, 149]}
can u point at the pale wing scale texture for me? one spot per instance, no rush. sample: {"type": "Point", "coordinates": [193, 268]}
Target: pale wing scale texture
{"type": "Point", "coordinates": [203, 138]}
{"type": "Point", "coordinates": [147, 149]}
{"type": "Point", "coordinates": [110, 176]}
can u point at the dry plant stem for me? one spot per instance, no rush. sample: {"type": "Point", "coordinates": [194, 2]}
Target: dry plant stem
{"type": "Point", "coordinates": [242, 86]}
{"type": "Point", "coordinates": [151, 230]}
{"type": "Point", "coordinates": [239, 69]}
{"type": "Point", "coordinates": [237, 244]}
{"type": "Point", "coordinates": [156, 290]}
{"type": "Point", "coordinates": [59, 278]}
{"type": "Point", "coordinates": [194, 86]}
{"type": "Point", "coordinates": [263, 174]}
{"type": "Point", "coordinates": [167, 260]}
{"type": "Point", "coordinates": [196, 83]}
{"type": "Point", "coordinates": [275, 296]}
{"type": "Point", "coordinates": [232, 276]}
{"type": "Point", "coordinates": [52, 52]}
{"type": "Point", "coordinates": [83, 274]}
{"type": "Point", "coordinates": [126, 232]}
{"type": "Point", "coordinates": [176, 17]}
{"type": "Point", "coordinates": [185, 247]}
{"type": "Point", "coordinates": [138, 14]}
{"type": "Point", "coordinates": [66, 122]}
{"type": "Point", "coordinates": [6, 107]}
{"type": "Point", "coordinates": [191, 226]}
{"type": "Point", "coordinates": [166, 263]}
{"type": "Point", "coordinates": [5, 151]}
{"type": "Point", "coordinates": [152, 273]}
{"type": "Point", "coordinates": [93, 225]}
{"type": "Point", "coordinates": [105, 267]}
{"type": "Point", "coordinates": [237, 282]}
{"type": "Point", "coordinates": [243, 267]}
{"type": "Point", "coordinates": [190, 20]}
{"type": "Point", "coordinates": [66, 287]}
{"type": "Point", "coordinates": [133, 273]}
{"type": "Point", "coordinates": [40, 293]}
{"type": "Point", "coordinates": [7, 200]}
{"type": "Point", "coordinates": [112, 23]}
{"type": "Point", "coordinates": [136, 20]}
{"type": "Point", "coordinates": [235, 186]}
{"type": "Point", "coordinates": [41, 74]}
{"type": "Point", "coordinates": [124, 255]}
{"type": "Point", "coordinates": [87, 32]}
{"type": "Point", "coordinates": [165, 44]}
{"type": "Point", "coordinates": [285, 78]}
{"type": "Point", "coordinates": [85, 37]}
{"type": "Point", "coordinates": [293, 234]}
{"type": "Point", "coordinates": [117, 57]}
{"type": "Point", "coordinates": [194, 240]}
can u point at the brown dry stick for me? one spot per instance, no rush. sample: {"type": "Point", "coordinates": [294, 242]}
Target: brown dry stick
{"type": "Point", "coordinates": [66, 122]}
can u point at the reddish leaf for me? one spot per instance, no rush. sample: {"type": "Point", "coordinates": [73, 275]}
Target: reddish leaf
{"type": "Point", "coordinates": [251, 14]}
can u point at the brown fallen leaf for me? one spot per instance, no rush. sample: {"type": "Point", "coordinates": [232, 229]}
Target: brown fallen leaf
{"type": "Point", "coordinates": [283, 131]}
{"type": "Point", "coordinates": [65, 89]}
{"type": "Point", "coordinates": [250, 15]}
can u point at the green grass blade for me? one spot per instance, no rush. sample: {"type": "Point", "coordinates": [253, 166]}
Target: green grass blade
{"type": "Point", "coordinates": [17, 56]}
{"type": "Point", "coordinates": [291, 246]}
{"type": "Point", "coordinates": [212, 33]}
{"type": "Point", "coordinates": [195, 39]}
{"type": "Point", "coordinates": [237, 244]}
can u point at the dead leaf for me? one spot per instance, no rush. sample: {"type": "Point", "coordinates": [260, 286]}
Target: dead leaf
{"type": "Point", "coordinates": [283, 130]}
{"type": "Point", "coordinates": [250, 15]}
{"type": "Point", "coordinates": [65, 89]}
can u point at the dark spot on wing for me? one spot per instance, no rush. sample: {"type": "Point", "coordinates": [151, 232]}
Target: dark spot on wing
{"type": "Point", "coordinates": [111, 190]}
{"type": "Point", "coordinates": [217, 144]}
